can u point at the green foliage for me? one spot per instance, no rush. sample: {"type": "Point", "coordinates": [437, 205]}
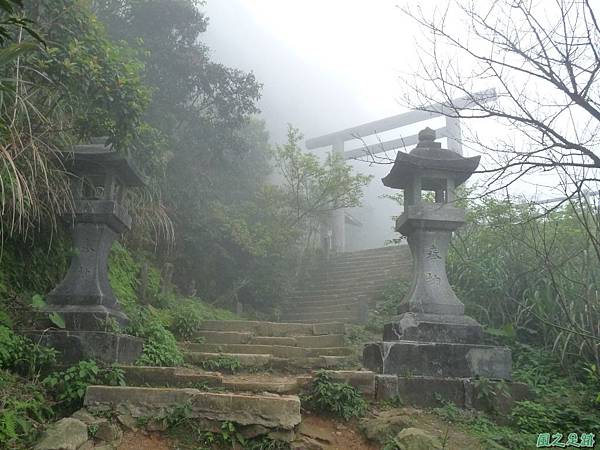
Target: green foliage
{"type": "Point", "coordinates": [224, 363]}
{"type": "Point", "coordinates": [187, 316]}
{"type": "Point", "coordinates": [24, 410]}
{"type": "Point", "coordinates": [531, 277]}
{"type": "Point", "coordinates": [329, 397]}
{"type": "Point", "coordinates": [68, 387]}
{"type": "Point", "coordinates": [160, 346]}
{"type": "Point", "coordinates": [21, 355]}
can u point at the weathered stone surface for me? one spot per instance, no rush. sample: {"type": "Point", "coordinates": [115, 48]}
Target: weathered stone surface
{"type": "Point", "coordinates": [74, 346]}
{"type": "Point", "coordinates": [416, 439]}
{"type": "Point", "coordinates": [326, 340]}
{"type": "Point", "coordinates": [169, 376]}
{"type": "Point", "coordinates": [127, 421]}
{"type": "Point", "coordinates": [276, 385]}
{"type": "Point", "coordinates": [423, 327]}
{"type": "Point", "coordinates": [88, 445]}
{"type": "Point", "coordinates": [273, 329]}
{"type": "Point", "coordinates": [279, 351]}
{"type": "Point", "coordinates": [109, 432]}
{"type": "Point", "coordinates": [245, 360]}
{"type": "Point", "coordinates": [272, 411]}
{"type": "Point", "coordinates": [387, 423]}
{"type": "Point", "coordinates": [225, 337]}
{"type": "Point", "coordinates": [362, 380]}
{"type": "Point", "coordinates": [66, 434]}
{"type": "Point", "coordinates": [425, 392]}
{"type": "Point", "coordinates": [386, 387]}
{"type": "Point", "coordinates": [84, 416]}
{"type": "Point", "coordinates": [438, 359]}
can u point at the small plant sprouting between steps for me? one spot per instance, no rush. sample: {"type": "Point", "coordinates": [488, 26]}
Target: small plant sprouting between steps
{"type": "Point", "coordinates": [330, 397]}
{"type": "Point", "coordinates": [223, 363]}
{"type": "Point", "coordinates": [68, 387]}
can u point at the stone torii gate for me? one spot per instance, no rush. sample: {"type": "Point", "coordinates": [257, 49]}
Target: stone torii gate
{"type": "Point", "coordinates": [337, 142]}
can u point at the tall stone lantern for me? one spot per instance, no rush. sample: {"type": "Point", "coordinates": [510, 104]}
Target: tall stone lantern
{"type": "Point", "coordinates": [431, 336]}
{"type": "Point", "coordinates": [84, 298]}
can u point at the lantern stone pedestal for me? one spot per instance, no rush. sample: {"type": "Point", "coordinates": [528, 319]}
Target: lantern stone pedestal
{"type": "Point", "coordinates": [84, 299]}
{"type": "Point", "coordinates": [431, 336]}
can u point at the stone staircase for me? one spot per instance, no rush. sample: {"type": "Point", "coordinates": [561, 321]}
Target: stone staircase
{"type": "Point", "coordinates": [278, 361]}
{"type": "Point", "coordinates": [343, 289]}
{"type": "Point", "coordinates": [284, 347]}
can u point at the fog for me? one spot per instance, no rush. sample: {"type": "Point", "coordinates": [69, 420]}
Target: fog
{"type": "Point", "coordinates": [327, 66]}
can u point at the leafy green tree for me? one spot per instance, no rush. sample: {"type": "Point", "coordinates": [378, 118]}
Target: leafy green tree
{"type": "Point", "coordinates": [78, 84]}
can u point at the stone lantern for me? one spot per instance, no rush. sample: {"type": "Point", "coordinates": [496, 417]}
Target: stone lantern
{"type": "Point", "coordinates": [431, 336]}
{"type": "Point", "coordinates": [84, 298]}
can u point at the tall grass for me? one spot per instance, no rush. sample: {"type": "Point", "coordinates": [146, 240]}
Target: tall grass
{"type": "Point", "coordinates": [34, 188]}
{"type": "Point", "coordinates": [533, 276]}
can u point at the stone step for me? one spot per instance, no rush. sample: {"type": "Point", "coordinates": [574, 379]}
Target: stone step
{"type": "Point", "coordinates": [376, 251]}
{"type": "Point", "coordinates": [233, 337]}
{"type": "Point", "coordinates": [225, 337]}
{"type": "Point", "coordinates": [337, 308]}
{"type": "Point", "coordinates": [279, 351]}
{"type": "Point", "coordinates": [321, 316]}
{"type": "Point", "coordinates": [256, 361]}
{"type": "Point", "coordinates": [169, 377]}
{"type": "Point", "coordinates": [371, 267]}
{"type": "Point", "coordinates": [390, 260]}
{"type": "Point", "coordinates": [179, 377]}
{"type": "Point", "coordinates": [268, 410]}
{"type": "Point", "coordinates": [295, 305]}
{"type": "Point", "coordinates": [351, 291]}
{"type": "Point", "coordinates": [273, 329]}
{"type": "Point", "coordinates": [328, 340]}
{"type": "Point", "coordinates": [349, 286]}
{"type": "Point", "coordinates": [345, 319]}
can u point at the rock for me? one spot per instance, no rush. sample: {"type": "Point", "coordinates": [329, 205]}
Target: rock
{"type": "Point", "coordinates": [314, 432]}
{"type": "Point", "coordinates": [156, 425]}
{"type": "Point", "coordinates": [306, 443]}
{"type": "Point", "coordinates": [416, 439]}
{"type": "Point", "coordinates": [84, 416]}
{"type": "Point", "coordinates": [88, 445]}
{"type": "Point", "coordinates": [128, 421]}
{"type": "Point", "coordinates": [109, 432]}
{"type": "Point", "coordinates": [282, 435]}
{"type": "Point", "coordinates": [271, 411]}
{"type": "Point", "coordinates": [252, 431]}
{"type": "Point", "coordinates": [104, 447]}
{"type": "Point", "coordinates": [388, 423]}
{"type": "Point", "coordinates": [66, 434]}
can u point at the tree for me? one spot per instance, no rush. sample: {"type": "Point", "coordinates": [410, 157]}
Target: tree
{"type": "Point", "coordinates": [62, 82]}
{"type": "Point", "coordinates": [543, 58]}
{"type": "Point", "coordinates": [314, 189]}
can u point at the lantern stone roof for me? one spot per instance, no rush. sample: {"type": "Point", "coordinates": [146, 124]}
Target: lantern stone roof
{"type": "Point", "coordinates": [429, 156]}
{"type": "Point", "coordinates": [94, 158]}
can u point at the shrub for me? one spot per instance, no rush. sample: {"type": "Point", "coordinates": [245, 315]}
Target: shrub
{"type": "Point", "coordinates": [160, 346]}
{"type": "Point", "coordinates": [188, 315]}
{"type": "Point", "coordinates": [20, 354]}
{"type": "Point", "coordinates": [68, 387]}
{"type": "Point", "coordinates": [24, 409]}
{"type": "Point", "coordinates": [338, 399]}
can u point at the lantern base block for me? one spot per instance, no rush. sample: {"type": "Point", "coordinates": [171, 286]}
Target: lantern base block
{"type": "Point", "coordinates": [101, 346]}
{"type": "Point", "coordinates": [89, 317]}
{"type": "Point", "coordinates": [437, 359]}
{"type": "Point", "coordinates": [424, 327]}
